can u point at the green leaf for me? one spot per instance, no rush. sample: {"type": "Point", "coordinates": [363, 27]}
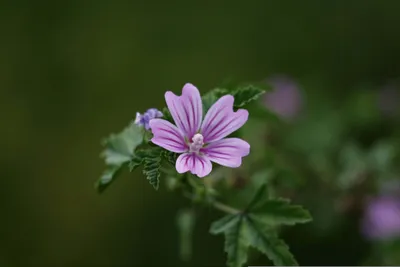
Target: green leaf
{"type": "Point", "coordinates": [242, 94]}
{"type": "Point", "coordinates": [280, 211]}
{"type": "Point", "coordinates": [142, 154]}
{"type": "Point", "coordinates": [247, 94]}
{"type": "Point", "coordinates": [242, 231]}
{"type": "Point", "coordinates": [254, 227]}
{"type": "Point", "coordinates": [267, 242]}
{"type": "Point", "coordinates": [235, 244]}
{"type": "Point", "coordinates": [169, 156]}
{"type": "Point", "coordinates": [152, 171]}
{"type": "Point", "coordinates": [107, 177]}
{"type": "Point", "coordinates": [118, 152]}
{"type": "Point", "coordinates": [151, 160]}
{"type": "Point", "coordinates": [276, 211]}
{"type": "Point", "coordinates": [224, 224]}
{"type": "Point", "coordinates": [120, 147]}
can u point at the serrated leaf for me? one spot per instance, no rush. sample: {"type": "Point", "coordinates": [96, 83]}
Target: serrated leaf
{"type": "Point", "coordinates": [245, 95]}
{"type": "Point", "coordinates": [136, 160]}
{"type": "Point", "coordinates": [235, 246]}
{"type": "Point", "coordinates": [259, 198]}
{"type": "Point", "coordinates": [142, 154]}
{"type": "Point", "coordinates": [151, 170]}
{"type": "Point", "coordinates": [254, 227]}
{"type": "Point", "coordinates": [169, 156]}
{"type": "Point", "coordinates": [276, 211]}
{"type": "Point", "coordinates": [280, 211]}
{"type": "Point", "coordinates": [266, 241]}
{"type": "Point", "coordinates": [242, 231]}
{"type": "Point", "coordinates": [119, 150]}
{"type": "Point", "coordinates": [150, 158]}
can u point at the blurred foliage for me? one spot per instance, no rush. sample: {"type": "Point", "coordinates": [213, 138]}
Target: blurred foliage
{"type": "Point", "coordinates": [74, 71]}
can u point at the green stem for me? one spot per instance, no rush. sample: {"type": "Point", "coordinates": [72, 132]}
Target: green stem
{"type": "Point", "coordinates": [217, 205]}
{"type": "Point", "coordinates": [225, 208]}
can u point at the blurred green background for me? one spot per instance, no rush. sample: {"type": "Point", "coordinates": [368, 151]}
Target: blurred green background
{"type": "Point", "coordinates": [71, 72]}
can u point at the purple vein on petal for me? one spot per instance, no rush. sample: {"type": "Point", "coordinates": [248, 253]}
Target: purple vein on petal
{"type": "Point", "coordinates": [167, 136]}
{"type": "Point", "coordinates": [221, 120]}
{"type": "Point", "coordinates": [227, 152]}
{"type": "Point", "coordinates": [186, 109]}
{"type": "Point", "coordinates": [196, 164]}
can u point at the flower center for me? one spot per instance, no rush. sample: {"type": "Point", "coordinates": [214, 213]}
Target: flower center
{"type": "Point", "coordinates": [197, 143]}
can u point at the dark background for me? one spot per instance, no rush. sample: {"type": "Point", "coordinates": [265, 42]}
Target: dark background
{"type": "Point", "coordinates": [71, 72]}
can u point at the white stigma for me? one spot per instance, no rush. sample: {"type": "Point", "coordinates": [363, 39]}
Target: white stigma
{"type": "Point", "coordinates": [197, 143]}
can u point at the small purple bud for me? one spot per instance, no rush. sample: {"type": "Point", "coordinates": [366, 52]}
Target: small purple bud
{"type": "Point", "coordinates": [285, 99]}
{"type": "Point", "coordinates": [143, 120]}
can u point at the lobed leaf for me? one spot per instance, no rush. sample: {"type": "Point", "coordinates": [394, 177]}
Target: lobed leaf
{"type": "Point", "coordinates": [243, 95]}
{"type": "Point", "coordinates": [276, 211]}
{"type": "Point", "coordinates": [254, 228]}
{"type": "Point", "coordinates": [151, 160]}
{"type": "Point", "coordinates": [169, 156]}
{"type": "Point", "coordinates": [267, 242]}
{"type": "Point", "coordinates": [118, 152]}
{"type": "Point", "coordinates": [280, 211]}
{"type": "Point", "coordinates": [247, 94]}
{"type": "Point", "coordinates": [151, 170]}
{"type": "Point", "coordinates": [224, 224]}
{"type": "Point", "coordinates": [236, 245]}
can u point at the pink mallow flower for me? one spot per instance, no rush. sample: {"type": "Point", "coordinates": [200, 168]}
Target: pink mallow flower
{"type": "Point", "coordinates": [199, 141]}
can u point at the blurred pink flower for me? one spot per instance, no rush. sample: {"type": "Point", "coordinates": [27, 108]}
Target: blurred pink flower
{"type": "Point", "coordinates": [382, 218]}
{"type": "Point", "coordinates": [285, 99]}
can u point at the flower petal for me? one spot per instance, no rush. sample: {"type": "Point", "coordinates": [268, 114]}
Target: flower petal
{"type": "Point", "coordinates": [221, 120]}
{"type": "Point", "coordinates": [186, 110]}
{"type": "Point", "coordinates": [196, 164]}
{"type": "Point", "coordinates": [167, 135]}
{"type": "Point", "coordinates": [227, 152]}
